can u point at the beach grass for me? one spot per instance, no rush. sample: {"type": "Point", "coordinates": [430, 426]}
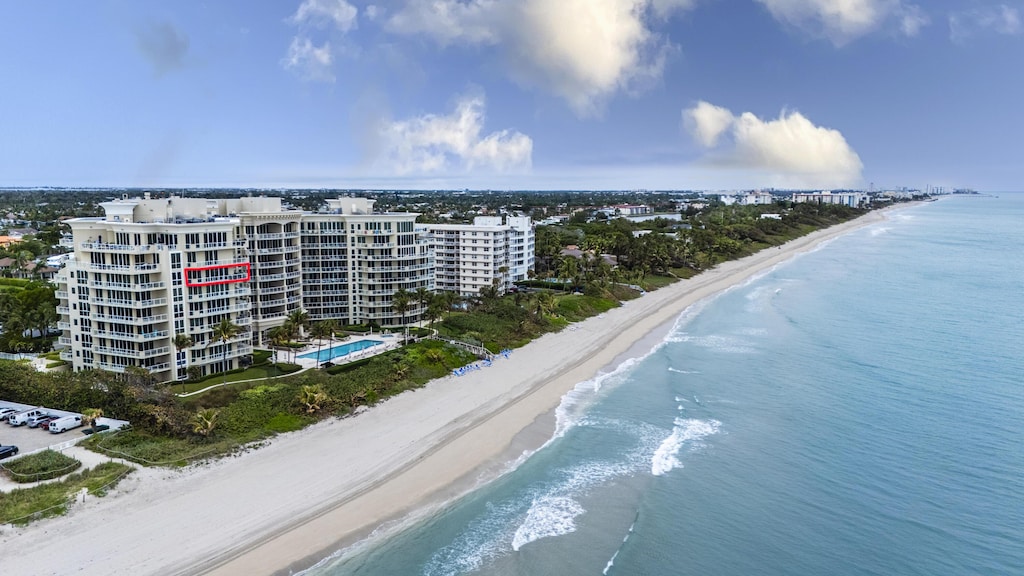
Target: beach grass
{"type": "Point", "coordinates": [24, 505]}
{"type": "Point", "coordinates": [43, 465]}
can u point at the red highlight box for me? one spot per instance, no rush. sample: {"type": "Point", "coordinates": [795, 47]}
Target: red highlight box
{"type": "Point", "coordinates": [190, 283]}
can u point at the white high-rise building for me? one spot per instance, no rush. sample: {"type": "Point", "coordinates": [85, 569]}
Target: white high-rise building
{"type": "Point", "coordinates": [151, 269]}
{"type": "Point", "coordinates": [148, 270]}
{"type": "Point", "coordinates": [355, 259]}
{"type": "Point", "coordinates": [488, 252]}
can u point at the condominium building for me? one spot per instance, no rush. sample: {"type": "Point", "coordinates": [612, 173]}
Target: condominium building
{"type": "Point", "coordinates": [150, 269]}
{"type": "Point", "coordinates": [852, 199]}
{"type": "Point", "coordinates": [355, 259]}
{"type": "Point", "coordinates": [153, 268]}
{"type": "Point", "coordinates": [488, 252]}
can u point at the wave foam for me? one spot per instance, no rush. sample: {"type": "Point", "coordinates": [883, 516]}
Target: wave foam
{"type": "Point", "coordinates": [548, 516]}
{"type": "Point", "coordinates": [686, 430]}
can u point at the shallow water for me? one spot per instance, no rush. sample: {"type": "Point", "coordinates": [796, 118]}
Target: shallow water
{"type": "Point", "coordinates": [856, 411]}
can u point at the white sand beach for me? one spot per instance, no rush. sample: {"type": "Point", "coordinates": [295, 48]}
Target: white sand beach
{"type": "Point", "coordinates": [294, 500]}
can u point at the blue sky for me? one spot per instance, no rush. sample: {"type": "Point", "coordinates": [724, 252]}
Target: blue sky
{"type": "Point", "coordinates": [503, 94]}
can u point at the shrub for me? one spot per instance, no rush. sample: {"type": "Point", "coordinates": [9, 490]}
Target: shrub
{"type": "Point", "coordinates": [40, 466]}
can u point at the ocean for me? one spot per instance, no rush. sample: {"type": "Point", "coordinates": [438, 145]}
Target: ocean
{"type": "Point", "coordinates": [858, 410]}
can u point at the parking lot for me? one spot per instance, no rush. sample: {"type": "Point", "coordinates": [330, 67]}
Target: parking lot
{"type": "Point", "coordinates": [30, 439]}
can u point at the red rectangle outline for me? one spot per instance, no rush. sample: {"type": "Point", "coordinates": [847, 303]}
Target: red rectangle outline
{"type": "Point", "coordinates": [248, 274]}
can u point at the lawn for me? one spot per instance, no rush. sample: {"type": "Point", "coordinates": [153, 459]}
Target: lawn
{"type": "Point", "coordinates": [252, 373]}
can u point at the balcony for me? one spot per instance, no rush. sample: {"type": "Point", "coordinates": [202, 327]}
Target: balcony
{"type": "Point", "coordinates": [131, 319]}
{"type": "Point", "coordinates": [123, 268]}
{"type": "Point", "coordinates": [127, 285]}
{"type": "Point", "coordinates": [156, 352]}
{"type": "Point", "coordinates": [104, 247]}
{"type": "Point", "coordinates": [67, 356]}
{"type": "Point", "coordinates": [65, 340]}
{"type": "Point", "coordinates": [61, 295]}
{"type": "Point", "coordinates": [63, 325]}
{"type": "Point", "coordinates": [63, 310]}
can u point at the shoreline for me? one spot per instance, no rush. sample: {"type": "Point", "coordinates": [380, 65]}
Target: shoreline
{"type": "Point", "coordinates": [311, 493]}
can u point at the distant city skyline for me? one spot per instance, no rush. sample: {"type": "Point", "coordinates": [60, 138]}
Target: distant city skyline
{"type": "Point", "coordinates": [512, 95]}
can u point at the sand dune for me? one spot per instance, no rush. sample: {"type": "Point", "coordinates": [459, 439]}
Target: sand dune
{"type": "Point", "coordinates": [303, 495]}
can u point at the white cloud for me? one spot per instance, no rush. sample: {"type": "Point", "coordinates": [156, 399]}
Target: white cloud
{"type": "Point", "coordinates": [708, 122]}
{"type": "Point", "coordinates": [790, 148]}
{"type": "Point", "coordinates": [321, 12]}
{"type": "Point", "coordinates": [842, 21]}
{"type": "Point", "coordinates": [1001, 19]}
{"type": "Point", "coordinates": [309, 61]}
{"type": "Point", "coordinates": [912, 20]}
{"type": "Point", "coordinates": [584, 51]}
{"type": "Point", "coordinates": [432, 143]}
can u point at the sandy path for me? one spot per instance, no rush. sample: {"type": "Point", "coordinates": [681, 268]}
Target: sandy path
{"type": "Point", "coordinates": [297, 497]}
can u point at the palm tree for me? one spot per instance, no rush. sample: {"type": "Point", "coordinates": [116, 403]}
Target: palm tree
{"type": "Point", "coordinates": [278, 336]}
{"type": "Point", "coordinates": [182, 342]}
{"type": "Point", "coordinates": [313, 397]}
{"type": "Point", "coordinates": [423, 297]}
{"type": "Point", "coordinates": [435, 308]}
{"type": "Point", "coordinates": [545, 303]}
{"type": "Point", "coordinates": [503, 270]}
{"type": "Point", "coordinates": [319, 331]}
{"type": "Point", "coordinates": [204, 421]}
{"type": "Point", "coordinates": [436, 356]}
{"type": "Point", "coordinates": [90, 416]}
{"type": "Point", "coordinates": [450, 300]}
{"type": "Point", "coordinates": [400, 304]}
{"type": "Point", "coordinates": [299, 319]}
{"type": "Point", "coordinates": [223, 332]}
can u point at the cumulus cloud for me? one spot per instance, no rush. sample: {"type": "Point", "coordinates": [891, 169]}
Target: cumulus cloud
{"type": "Point", "coordinates": [582, 50]}
{"type": "Point", "coordinates": [1001, 19]}
{"type": "Point", "coordinates": [325, 12]}
{"type": "Point", "coordinates": [308, 61]}
{"type": "Point", "coordinates": [432, 143]}
{"type": "Point", "coordinates": [164, 47]}
{"type": "Point", "coordinates": [789, 147]}
{"type": "Point", "coordinates": [844, 20]}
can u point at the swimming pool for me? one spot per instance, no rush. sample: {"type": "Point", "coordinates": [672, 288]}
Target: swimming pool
{"type": "Point", "coordinates": [341, 350]}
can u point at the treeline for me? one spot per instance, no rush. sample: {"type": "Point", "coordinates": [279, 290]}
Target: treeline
{"type": "Point", "coordinates": [681, 248]}
{"type": "Point", "coordinates": [28, 310]}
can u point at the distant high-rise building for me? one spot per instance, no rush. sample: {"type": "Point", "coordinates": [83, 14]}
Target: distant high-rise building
{"type": "Point", "coordinates": [488, 252]}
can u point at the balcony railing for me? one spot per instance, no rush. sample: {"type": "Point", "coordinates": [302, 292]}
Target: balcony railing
{"type": "Point", "coordinates": [67, 356]}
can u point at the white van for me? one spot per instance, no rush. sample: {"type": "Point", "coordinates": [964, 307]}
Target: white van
{"type": "Point", "coordinates": [21, 418]}
{"type": "Point", "coordinates": [66, 423]}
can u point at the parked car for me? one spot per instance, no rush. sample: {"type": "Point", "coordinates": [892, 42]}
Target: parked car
{"type": "Point", "coordinates": [6, 413]}
{"type": "Point", "coordinates": [63, 424]}
{"type": "Point", "coordinates": [35, 421]}
{"type": "Point", "coordinates": [23, 416]}
{"type": "Point", "coordinates": [44, 424]}
{"type": "Point", "coordinates": [8, 451]}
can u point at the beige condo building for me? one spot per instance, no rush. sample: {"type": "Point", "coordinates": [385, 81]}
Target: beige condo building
{"type": "Point", "coordinates": [152, 268]}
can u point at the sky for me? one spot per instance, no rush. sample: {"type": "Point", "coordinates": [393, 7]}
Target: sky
{"type": "Point", "coordinates": [513, 94]}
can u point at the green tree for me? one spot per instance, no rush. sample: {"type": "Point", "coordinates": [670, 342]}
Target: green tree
{"type": "Point", "coordinates": [204, 421]}
{"type": "Point", "coordinates": [223, 332]}
{"type": "Point", "coordinates": [182, 342]}
{"type": "Point", "coordinates": [400, 304]}
{"type": "Point", "coordinates": [319, 331]}
{"type": "Point", "coordinates": [423, 297]}
{"type": "Point", "coordinates": [299, 320]}
{"type": "Point", "coordinates": [313, 397]}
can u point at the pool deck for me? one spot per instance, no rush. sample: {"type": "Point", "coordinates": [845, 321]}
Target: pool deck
{"type": "Point", "coordinates": [390, 342]}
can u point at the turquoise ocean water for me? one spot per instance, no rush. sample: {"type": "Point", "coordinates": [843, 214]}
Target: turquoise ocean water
{"type": "Point", "coordinates": [858, 410]}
